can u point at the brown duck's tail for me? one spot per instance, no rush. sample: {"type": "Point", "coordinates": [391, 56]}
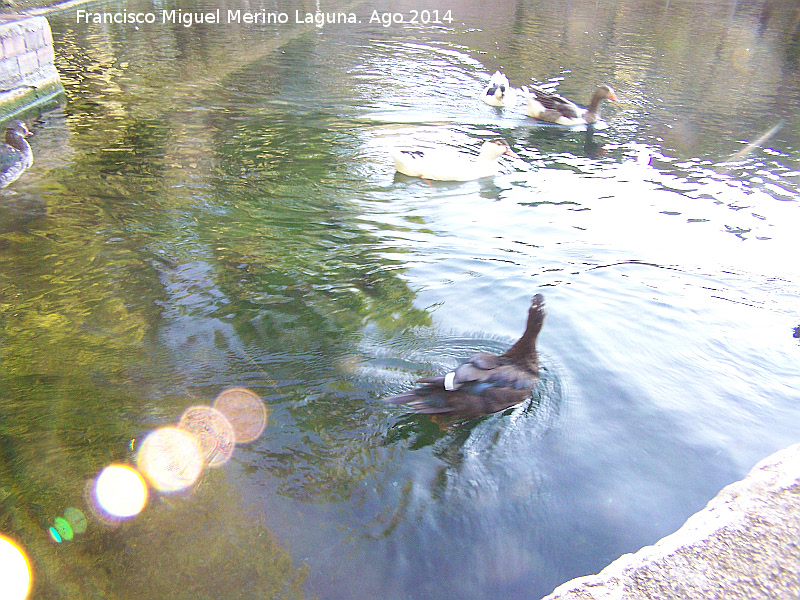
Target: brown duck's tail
{"type": "Point", "coordinates": [425, 399]}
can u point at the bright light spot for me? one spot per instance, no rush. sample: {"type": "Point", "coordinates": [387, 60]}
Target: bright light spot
{"type": "Point", "coordinates": [15, 572]}
{"type": "Point", "coordinates": [245, 411]}
{"type": "Point", "coordinates": [170, 458]}
{"type": "Point", "coordinates": [212, 431]}
{"type": "Point", "coordinates": [120, 491]}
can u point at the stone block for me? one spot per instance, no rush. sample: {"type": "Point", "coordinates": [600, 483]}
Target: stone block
{"type": "Point", "coordinates": [47, 34]}
{"type": "Point", "coordinates": [9, 74]}
{"type": "Point", "coordinates": [45, 55]}
{"type": "Point", "coordinates": [34, 39]}
{"type": "Point", "coordinates": [13, 45]}
{"type": "Point", "coordinates": [28, 63]}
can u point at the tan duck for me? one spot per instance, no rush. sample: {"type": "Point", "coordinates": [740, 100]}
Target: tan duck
{"type": "Point", "coordinates": [15, 153]}
{"type": "Point", "coordinates": [548, 106]}
{"type": "Point", "coordinates": [485, 383]}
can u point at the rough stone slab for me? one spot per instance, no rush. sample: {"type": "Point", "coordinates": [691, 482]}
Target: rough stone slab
{"type": "Point", "coordinates": [28, 63]}
{"type": "Point", "coordinates": [744, 545]}
{"type": "Point", "coordinates": [34, 39]}
{"type": "Point", "coordinates": [13, 46]}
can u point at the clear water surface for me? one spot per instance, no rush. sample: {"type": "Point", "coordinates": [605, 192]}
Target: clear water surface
{"type": "Point", "coordinates": [215, 205]}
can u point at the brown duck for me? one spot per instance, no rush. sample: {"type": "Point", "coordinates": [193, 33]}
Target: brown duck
{"type": "Point", "coordinates": [548, 106]}
{"type": "Point", "coordinates": [485, 383]}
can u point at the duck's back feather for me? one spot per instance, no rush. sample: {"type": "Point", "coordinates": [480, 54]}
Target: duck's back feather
{"type": "Point", "coordinates": [552, 101]}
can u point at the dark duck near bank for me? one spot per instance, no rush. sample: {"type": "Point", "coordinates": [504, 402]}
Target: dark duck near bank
{"type": "Point", "coordinates": [15, 153]}
{"type": "Point", "coordinates": [485, 383]}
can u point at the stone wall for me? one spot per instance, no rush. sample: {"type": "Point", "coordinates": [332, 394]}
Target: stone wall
{"type": "Point", "coordinates": [744, 545]}
{"type": "Point", "coordinates": [28, 76]}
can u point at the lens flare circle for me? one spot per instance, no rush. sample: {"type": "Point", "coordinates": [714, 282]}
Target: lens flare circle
{"type": "Point", "coordinates": [15, 570]}
{"type": "Point", "coordinates": [120, 491]}
{"type": "Point", "coordinates": [170, 458]}
{"type": "Point", "coordinates": [76, 519]}
{"type": "Point", "coordinates": [63, 528]}
{"type": "Point", "coordinates": [212, 431]}
{"type": "Point", "coordinates": [245, 411]}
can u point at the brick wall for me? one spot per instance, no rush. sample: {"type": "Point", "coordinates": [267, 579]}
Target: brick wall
{"type": "Point", "coordinates": [27, 72]}
{"type": "Point", "coordinates": [27, 52]}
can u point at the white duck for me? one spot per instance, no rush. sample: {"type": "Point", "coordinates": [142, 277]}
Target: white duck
{"type": "Point", "coordinates": [548, 106]}
{"type": "Point", "coordinates": [499, 92]}
{"type": "Point", "coordinates": [445, 164]}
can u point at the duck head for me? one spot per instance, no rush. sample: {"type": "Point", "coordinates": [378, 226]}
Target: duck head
{"type": "Point", "coordinates": [603, 92]}
{"type": "Point", "coordinates": [20, 127]}
{"type": "Point", "coordinates": [497, 91]}
{"type": "Point", "coordinates": [496, 148]}
{"type": "Point", "coordinates": [606, 92]}
{"type": "Point", "coordinates": [17, 130]}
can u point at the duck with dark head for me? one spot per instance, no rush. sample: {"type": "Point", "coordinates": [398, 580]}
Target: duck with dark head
{"type": "Point", "coordinates": [485, 383]}
{"type": "Point", "coordinates": [15, 153]}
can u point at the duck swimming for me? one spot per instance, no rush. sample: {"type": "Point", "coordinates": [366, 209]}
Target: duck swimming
{"type": "Point", "coordinates": [445, 164]}
{"type": "Point", "coordinates": [499, 92]}
{"type": "Point", "coordinates": [548, 106]}
{"type": "Point", "coordinates": [15, 153]}
{"type": "Point", "coordinates": [485, 383]}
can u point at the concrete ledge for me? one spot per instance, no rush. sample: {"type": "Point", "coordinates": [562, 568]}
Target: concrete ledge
{"type": "Point", "coordinates": [745, 544]}
{"type": "Point", "coordinates": [28, 76]}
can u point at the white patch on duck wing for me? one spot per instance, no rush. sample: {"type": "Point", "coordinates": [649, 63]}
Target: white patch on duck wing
{"type": "Point", "coordinates": [449, 381]}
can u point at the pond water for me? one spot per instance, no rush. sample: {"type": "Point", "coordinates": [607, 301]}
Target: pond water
{"type": "Point", "coordinates": [215, 205]}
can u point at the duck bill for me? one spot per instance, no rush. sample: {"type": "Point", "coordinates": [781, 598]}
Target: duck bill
{"type": "Point", "coordinates": [613, 96]}
{"type": "Point", "coordinates": [511, 153]}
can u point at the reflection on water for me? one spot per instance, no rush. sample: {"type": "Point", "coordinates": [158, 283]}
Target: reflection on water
{"type": "Point", "coordinates": [215, 207]}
